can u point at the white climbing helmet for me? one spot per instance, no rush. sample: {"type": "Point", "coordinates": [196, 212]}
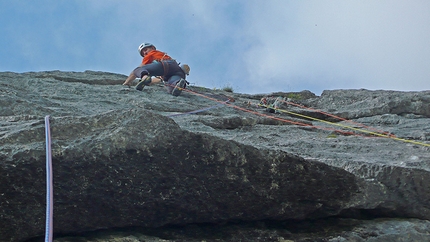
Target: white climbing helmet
{"type": "Point", "coordinates": [144, 45]}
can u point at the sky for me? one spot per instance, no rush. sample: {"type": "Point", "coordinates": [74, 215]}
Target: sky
{"type": "Point", "coordinates": [252, 46]}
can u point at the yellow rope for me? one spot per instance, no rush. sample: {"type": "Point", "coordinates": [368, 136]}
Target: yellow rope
{"type": "Point", "coordinates": [348, 127]}
{"type": "Point", "coordinates": [312, 118]}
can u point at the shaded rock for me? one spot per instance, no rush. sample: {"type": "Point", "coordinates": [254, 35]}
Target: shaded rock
{"type": "Point", "coordinates": [331, 229]}
{"type": "Point", "coordinates": [113, 169]}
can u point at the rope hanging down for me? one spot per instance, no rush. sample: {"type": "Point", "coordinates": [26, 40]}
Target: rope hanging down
{"type": "Point", "coordinates": [49, 184]}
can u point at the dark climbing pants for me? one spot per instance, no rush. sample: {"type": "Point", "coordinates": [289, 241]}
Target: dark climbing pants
{"type": "Point", "coordinates": [168, 69]}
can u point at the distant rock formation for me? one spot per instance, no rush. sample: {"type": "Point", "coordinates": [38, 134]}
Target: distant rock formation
{"type": "Point", "coordinates": [124, 158]}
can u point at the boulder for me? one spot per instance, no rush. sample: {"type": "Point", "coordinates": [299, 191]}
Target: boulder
{"type": "Point", "coordinates": [124, 158]}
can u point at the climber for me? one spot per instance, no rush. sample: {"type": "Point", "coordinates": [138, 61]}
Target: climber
{"type": "Point", "coordinates": [162, 67]}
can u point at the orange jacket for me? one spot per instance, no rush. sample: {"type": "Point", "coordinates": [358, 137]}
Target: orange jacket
{"type": "Point", "coordinates": [155, 55]}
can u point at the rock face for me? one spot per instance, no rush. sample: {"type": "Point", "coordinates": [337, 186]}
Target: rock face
{"type": "Point", "coordinates": [124, 158]}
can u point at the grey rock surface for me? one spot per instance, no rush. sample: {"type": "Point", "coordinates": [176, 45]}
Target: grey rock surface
{"type": "Point", "coordinates": [126, 158]}
{"type": "Point", "coordinates": [333, 230]}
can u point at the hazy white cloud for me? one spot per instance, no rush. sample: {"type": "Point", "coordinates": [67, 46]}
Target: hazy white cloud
{"type": "Point", "coordinates": [342, 44]}
{"type": "Point", "coordinates": [254, 46]}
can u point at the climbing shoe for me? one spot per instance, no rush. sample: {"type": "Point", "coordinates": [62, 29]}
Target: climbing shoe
{"type": "Point", "coordinates": [180, 85]}
{"type": "Point", "coordinates": [143, 83]}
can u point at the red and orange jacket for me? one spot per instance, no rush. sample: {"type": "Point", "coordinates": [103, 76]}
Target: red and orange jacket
{"type": "Point", "coordinates": [155, 55]}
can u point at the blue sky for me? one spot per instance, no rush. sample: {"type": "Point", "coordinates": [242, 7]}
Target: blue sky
{"type": "Point", "coordinates": [254, 46]}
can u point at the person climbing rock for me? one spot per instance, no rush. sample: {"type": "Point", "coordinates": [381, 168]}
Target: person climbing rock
{"type": "Point", "coordinates": [156, 67]}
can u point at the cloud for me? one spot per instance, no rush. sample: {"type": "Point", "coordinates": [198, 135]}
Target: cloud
{"type": "Point", "coordinates": [348, 44]}
{"type": "Point", "coordinates": [253, 46]}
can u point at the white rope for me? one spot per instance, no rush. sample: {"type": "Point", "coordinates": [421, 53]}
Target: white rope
{"type": "Point", "coordinates": [49, 186]}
